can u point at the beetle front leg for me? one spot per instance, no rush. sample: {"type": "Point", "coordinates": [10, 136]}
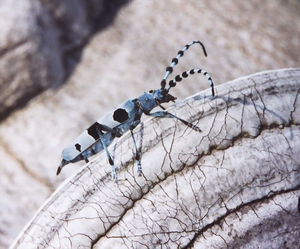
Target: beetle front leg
{"type": "Point", "coordinates": [164, 114]}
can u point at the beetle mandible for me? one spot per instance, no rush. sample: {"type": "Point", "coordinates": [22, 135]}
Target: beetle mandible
{"type": "Point", "coordinates": [127, 116]}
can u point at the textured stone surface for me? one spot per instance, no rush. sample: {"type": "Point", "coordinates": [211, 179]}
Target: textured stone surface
{"type": "Point", "coordinates": [120, 62]}
{"type": "Point", "coordinates": [41, 43]}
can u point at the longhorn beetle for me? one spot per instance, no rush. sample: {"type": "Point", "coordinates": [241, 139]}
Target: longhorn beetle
{"type": "Point", "coordinates": [127, 116]}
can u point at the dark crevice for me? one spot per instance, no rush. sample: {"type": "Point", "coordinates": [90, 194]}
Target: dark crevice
{"type": "Point", "coordinates": [99, 18]}
{"type": "Point", "coordinates": [11, 47]}
{"type": "Point", "coordinates": [21, 102]}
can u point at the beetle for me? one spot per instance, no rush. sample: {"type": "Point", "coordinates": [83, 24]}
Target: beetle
{"type": "Point", "coordinates": [126, 116]}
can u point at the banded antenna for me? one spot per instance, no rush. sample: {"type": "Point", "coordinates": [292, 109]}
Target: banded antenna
{"type": "Point", "coordinates": [178, 78]}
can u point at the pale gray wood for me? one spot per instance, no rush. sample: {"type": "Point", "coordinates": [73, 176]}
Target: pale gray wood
{"type": "Point", "coordinates": [235, 184]}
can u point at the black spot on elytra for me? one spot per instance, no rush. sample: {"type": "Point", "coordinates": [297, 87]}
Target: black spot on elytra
{"type": "Point", "coordinates": [92, 130]}
{"type": "Point", "coordinates": [120, 115]}
{"type": "Point", "coordinates": [78, 147]}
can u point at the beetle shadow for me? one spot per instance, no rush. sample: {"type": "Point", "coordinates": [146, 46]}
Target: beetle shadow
{"type": "Point", "coordinates": [246, 102]}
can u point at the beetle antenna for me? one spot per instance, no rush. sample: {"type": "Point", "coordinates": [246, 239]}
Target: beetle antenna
{"type": "Point", "coordinates": [174, 62]}
{"type": "Point", "coordinates": [178, 78]}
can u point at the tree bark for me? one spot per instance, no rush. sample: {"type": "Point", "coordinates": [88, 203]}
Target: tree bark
{"type": "Point", "coordinates": [234, 184]}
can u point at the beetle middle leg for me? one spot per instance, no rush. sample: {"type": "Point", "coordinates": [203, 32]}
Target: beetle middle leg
{"type": "Point", "coordinates": [137, 154]}
{"type": "Point", "coordinates": [111, 161]}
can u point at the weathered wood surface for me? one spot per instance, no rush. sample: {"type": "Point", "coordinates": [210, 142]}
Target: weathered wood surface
{"type": "Point", "coordinates": [45, 44]}
{"type": "Point", "coordinates": [234, 184]}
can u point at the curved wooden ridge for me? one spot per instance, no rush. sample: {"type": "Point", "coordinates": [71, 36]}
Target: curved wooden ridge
{"type": "Point", "coordinates": [235, 183]}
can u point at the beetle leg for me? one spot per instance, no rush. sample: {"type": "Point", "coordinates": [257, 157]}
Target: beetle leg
{"type": "Point", "coordinates": [110, 160]}
{"type": "Point", "coordinates": [137, 154]}
{"type": "Point", "coordinates": [164, 114]}
{"type": "Point", "coordinates": [108, 129]}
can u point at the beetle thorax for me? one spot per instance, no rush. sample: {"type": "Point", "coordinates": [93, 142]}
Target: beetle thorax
{"type": "Point", "coordinates": [146, 102]}
{"type": "Point", "coordinates": [149, 100]}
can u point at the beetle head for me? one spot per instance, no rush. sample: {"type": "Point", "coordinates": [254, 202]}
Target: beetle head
{"type": "Point", "coordinates": [162, 96]}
